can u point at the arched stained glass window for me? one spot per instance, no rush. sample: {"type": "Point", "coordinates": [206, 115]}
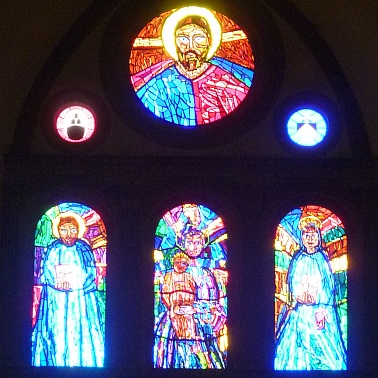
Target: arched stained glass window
{"type": "Point", "coordinates": [311, 291]}
{"type": "Point", "coordinates": [191, 66]}
{"type": "Point", "coordinates": [190, 289]}
{"type": "Point", "coordinates": [68, 312]}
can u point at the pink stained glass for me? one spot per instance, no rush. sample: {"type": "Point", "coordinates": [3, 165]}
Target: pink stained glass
{"type": "Point", "coordinates": [183, 92]}
{"type": "Point", "coordinates": [75, 124]}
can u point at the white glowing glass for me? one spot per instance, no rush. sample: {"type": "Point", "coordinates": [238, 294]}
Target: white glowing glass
{"type": "Point", "coordinates": [306, 127]}
{"type": "Point", "coordinates": [75, 124]}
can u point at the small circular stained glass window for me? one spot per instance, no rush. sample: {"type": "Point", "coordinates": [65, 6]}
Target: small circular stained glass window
{"type": "Point", "coordinates": [191, 66]}
{"type": "Point", "coordinates": [307, 127]}
{"type": "Point", "coordinates": [75, 124]}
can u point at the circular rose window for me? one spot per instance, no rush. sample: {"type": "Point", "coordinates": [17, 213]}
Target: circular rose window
{"type": "Point", "coordinates": [307, 127]}
{"type": "Point", "coordinates": [191, 66]}
{"type": "Point", "coordinates": [75, 124]}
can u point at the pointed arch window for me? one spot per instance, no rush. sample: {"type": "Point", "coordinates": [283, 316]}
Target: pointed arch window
{"type": "Point", "coordinates": [68, 312]}
{"type": "Point", "coordinates": [190, 289]}
{"type": "Point", "coordinates": [311, 264]}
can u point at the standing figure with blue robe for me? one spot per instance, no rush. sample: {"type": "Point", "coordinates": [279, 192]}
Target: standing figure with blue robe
{"type": "Point", "coordinates": [67, 331]}
{"type": "Point", "coordinates": [197, 345]}
{"type": "Point", "coordinates": [309, 336]}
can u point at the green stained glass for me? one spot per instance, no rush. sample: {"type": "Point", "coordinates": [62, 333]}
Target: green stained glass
{"type": "Point", "coordinates": [69, 296]}
{"type": "Point", "coordinates": [311, 291]}
{"type": "Point", "coordinates": [190, 290]}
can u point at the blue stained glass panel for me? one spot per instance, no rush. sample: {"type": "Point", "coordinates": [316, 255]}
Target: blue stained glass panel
{"type": "Point", "coordinates": [69, 292]}
{"type": "Point", "coordinates": [311, 291]}
{"type": "Point", "coordinates": [196, 86]}
{"type": "Point", "coordinates": [307, 127]}
{"type": "Point", "coordinates": [190, 289]}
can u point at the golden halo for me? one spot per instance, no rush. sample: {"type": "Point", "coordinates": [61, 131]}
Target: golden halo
{"type": "Point", "coordinates": [168, 31]}
{"type": "Point", "coordinates": [65, 214]}
{"type": "Point", "coordinates": [309, 219]}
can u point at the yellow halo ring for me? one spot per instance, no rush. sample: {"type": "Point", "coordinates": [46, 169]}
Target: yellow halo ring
{"type": "Point", "coordinates": [309, 219]}
{"type": "Point", "coordinates": [168, 30]}
{"type": "Point", "coordinates": [65, 214]}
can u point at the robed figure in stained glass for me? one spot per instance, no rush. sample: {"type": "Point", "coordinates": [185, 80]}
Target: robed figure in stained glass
{"type": "Point", "coordinates": [190, 290]}
{"type": "Point", "coordinates": [193, 81]}
{"type": "Point", "coordinates": [67, 330]}
{"type": "Point", "coordinates": [179, 293]}
{"type": "Point", "coordinates": [309, 335]}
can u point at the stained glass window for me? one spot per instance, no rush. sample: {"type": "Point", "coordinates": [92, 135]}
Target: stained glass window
{"type": "Point", "coordinates": [191, 66]}
{"type": "Point", "coordinates": [75, 124]}
{"type": "Point", "coordinates": [68, 311]}
{"type": "Point", "coordinates": [311, 264]}
{"type": "Point", "coordinates": [190, 289]}
{"type": "Point", "coordinates": [307, 127]}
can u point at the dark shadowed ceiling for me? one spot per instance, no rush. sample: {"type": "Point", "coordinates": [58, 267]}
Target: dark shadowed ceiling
{"type": "Point", "coordinates": [30, 30]}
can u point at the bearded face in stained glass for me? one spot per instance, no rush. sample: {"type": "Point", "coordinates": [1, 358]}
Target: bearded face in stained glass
{"type": "Point", "coordinates": [69, 292]}
{"type": "Point", "coordinates": [191, 66]}
{"type": "Point", "coordinates": [192, 46]}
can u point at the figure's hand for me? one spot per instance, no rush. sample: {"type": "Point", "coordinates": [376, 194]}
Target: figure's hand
{"type": "Point", "coordinates": [184, 310]}
{"type": "Point", "coordinates": [320, 319]}
{"type": "Point", "coordinates": [65, 285]}
{"type": "Point", "coordinates": [306, 299]}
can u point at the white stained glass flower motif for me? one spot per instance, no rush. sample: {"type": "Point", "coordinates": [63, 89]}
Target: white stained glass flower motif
{"type": "Point", "coordinates": [75, 124]}
{"type": "Point", "coordinates": [307, 127]}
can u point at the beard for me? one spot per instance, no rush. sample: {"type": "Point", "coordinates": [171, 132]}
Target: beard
{"type": "Point", "coordinates": [191, 60]}
{"type": "Point", "coordinates": [69, 242]}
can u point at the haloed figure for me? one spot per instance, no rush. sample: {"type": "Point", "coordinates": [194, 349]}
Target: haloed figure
{"type": "Point", "coordinates": [192, 41]}
{"type": "Point", "coordinates": [187, 333]}
{"type": "Point", "coordinates": [310, 338]}
{"type": "Point", "coordinates": [194, 242]}
{"type": "Point", "coordinates": [67, 331]}
{"type": "Point", "coordinates": [195, 86]}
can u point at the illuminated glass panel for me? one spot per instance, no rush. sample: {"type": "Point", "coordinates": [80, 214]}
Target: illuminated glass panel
{"type": "Point", "coordinates": [191, 66]}
{"type": "Point", "coordinates": [75, 124]}
{"type": "Point", "coordinates": [311, 265]}
{"type": "Point", "coordinates": [306, 127]}
{"type": "Point", "coordinates": [68, 311]}
{"type": "Point", "coordinates": [190, 290]}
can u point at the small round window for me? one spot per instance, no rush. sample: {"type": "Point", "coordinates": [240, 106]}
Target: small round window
{"type": "Point", "coordinates": [307, 127]}
{"type": "Point", "coordinates": [75, 124]}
